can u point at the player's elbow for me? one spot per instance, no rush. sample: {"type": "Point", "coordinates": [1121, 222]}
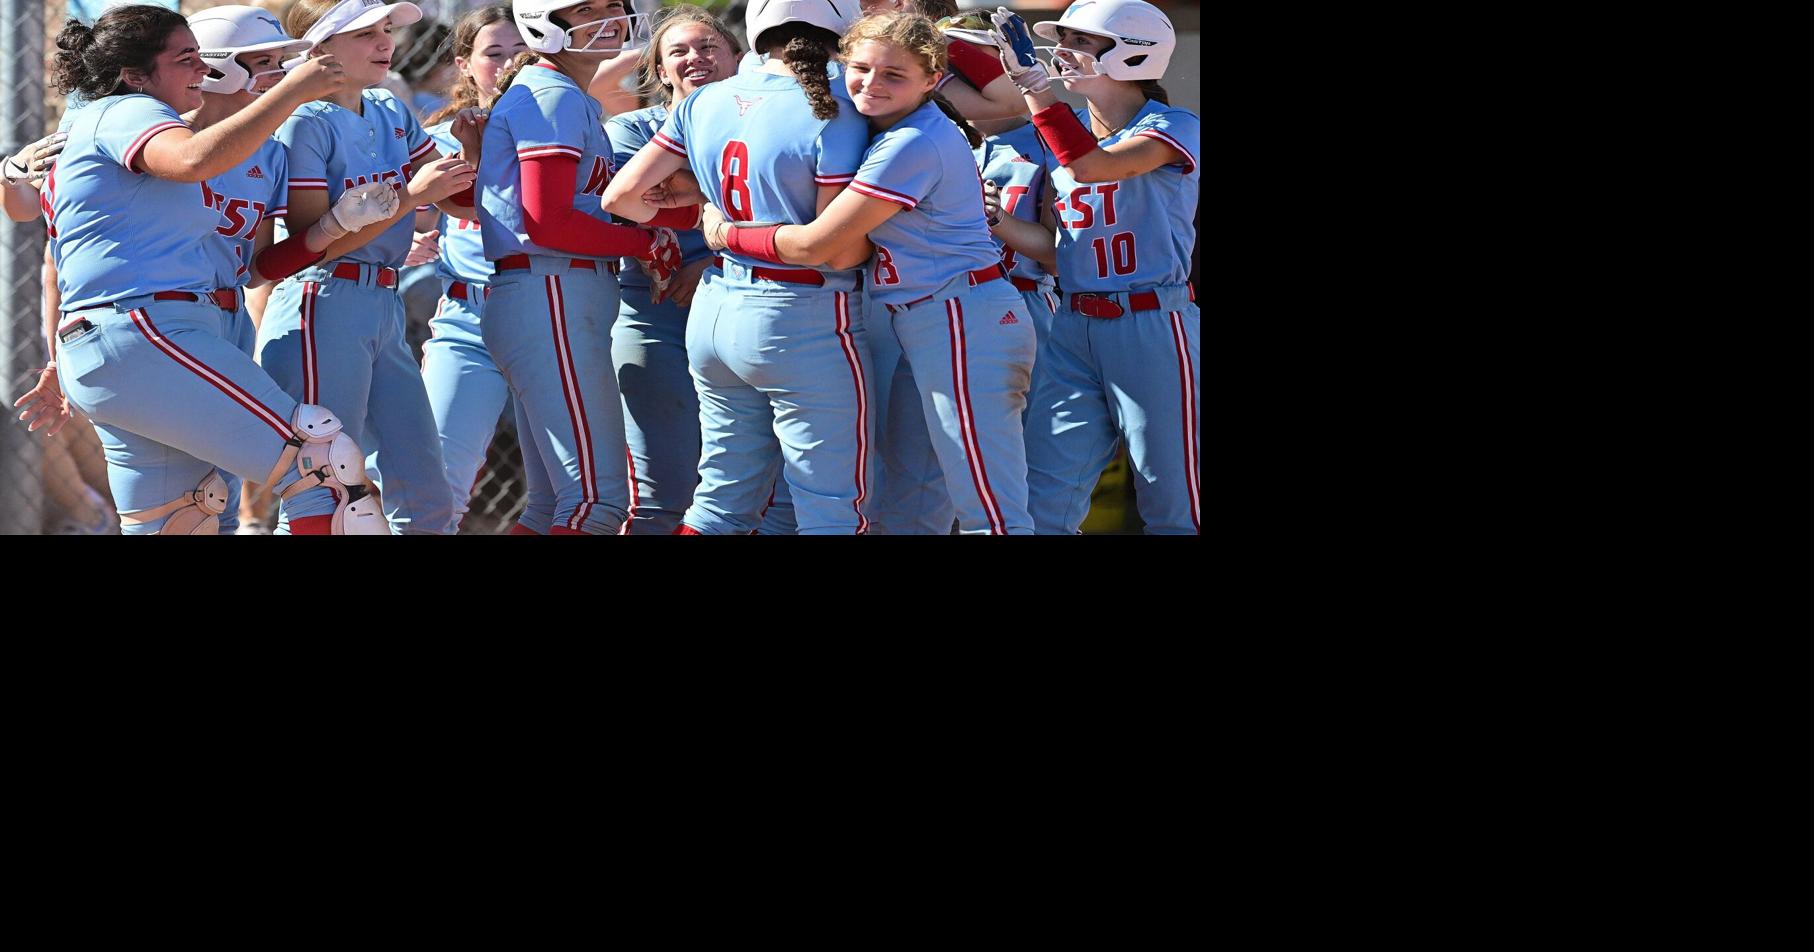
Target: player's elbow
{"type": "Point", "coordinates": [543, 230]}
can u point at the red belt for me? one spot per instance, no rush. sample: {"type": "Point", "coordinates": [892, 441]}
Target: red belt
{"type": "Point", "coordinates": [1097, 305]}
{"type": "Point", "coordinates": [994, 272]}
{"type": "Point", "coordinates": [521, 263]}
{"type": "Point", "coordinates": [227, 299]}
{"type": "Point", "coordinates": [784, 275]}
{"type": "Point", "coordinates": [1025, 284]}
{"type": "Point", "coordinates": [387, 277]}
{"type": "Point", "coordinates": [466, 292]}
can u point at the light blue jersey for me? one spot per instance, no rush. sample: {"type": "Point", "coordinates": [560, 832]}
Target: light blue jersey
{"type": "Point", "coordinates": [1016, 162]}
{"type": "Point", "coordinates": [924, 164]}
{"type": "Point", "coordinates": [1135, 233]}
{"type": "Point", "coordinates": [544, 112]}
{"type": "Point", "coordinates": [752, 62]}
{"type": "Point", "coordinates": [333, 149]}
{"type": "Point", "coordinates": [246, 195]}
{"type": "Point", "coordinates": [759, 153]}
{"type": "Point", "coordinates": [630, 132]}
{"type": "Point", "coordinates": [462, 252]}
{"type": "Point", "coordinates": [117, 233]}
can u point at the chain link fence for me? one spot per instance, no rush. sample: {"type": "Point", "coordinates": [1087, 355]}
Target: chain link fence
{"type": "Point", "coordinates": [58, 484]}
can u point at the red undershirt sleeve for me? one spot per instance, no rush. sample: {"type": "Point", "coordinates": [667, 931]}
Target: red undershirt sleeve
{"type": "Point", "coordinates": [552, 222]}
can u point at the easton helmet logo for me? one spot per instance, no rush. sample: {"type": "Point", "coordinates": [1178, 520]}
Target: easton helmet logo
{"type": "Point", "coordinates": [537, 15]}
{"type": "Point", "coordinates": [1133, 42]}
{"type": "Point", "coordinates": [216, 54]}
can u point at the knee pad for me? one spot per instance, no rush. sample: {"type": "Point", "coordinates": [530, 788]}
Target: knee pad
{"type": "Point", "coordinates": [196, 512]}
{"type": "Point", "coordinates": [324, 455]}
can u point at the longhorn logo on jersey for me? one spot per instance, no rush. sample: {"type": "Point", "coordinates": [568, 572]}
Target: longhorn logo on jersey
{"type": "Point", "coordinates": [743, 105]}
{"type": "Point", "coordinates": [398, 131]}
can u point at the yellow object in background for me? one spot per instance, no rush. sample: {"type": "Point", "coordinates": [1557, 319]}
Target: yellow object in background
{"type": "Point", "coordinates": [1112, 509]}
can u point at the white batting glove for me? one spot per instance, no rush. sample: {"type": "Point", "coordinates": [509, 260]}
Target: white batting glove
{"type": "Point", "coordinates": [358, 207]}
{"type": "Point", "coordinates": [1016, 50]}
{"type": "Point", "coordinates": [32, 163]}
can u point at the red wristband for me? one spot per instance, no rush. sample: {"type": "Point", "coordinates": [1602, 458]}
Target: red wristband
{"type": "Point", "coordinates": [680, 219]}
{"type": "Point", "coordinates": [756, 243]}
{"type": "Point", "coordinates": [285, 258]}
{"type": "Point", "coordinates": [978, 67]}
{"type": "Point", "coordinates": [1069, 140]}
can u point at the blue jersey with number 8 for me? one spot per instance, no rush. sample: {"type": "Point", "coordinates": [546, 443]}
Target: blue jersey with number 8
{"type": "Point", "coordinates": [757, 150]}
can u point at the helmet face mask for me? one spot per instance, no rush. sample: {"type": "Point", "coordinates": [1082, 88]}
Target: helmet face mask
{"type": "Point", "coordinates": [226, 33]}
{"type": "Point", "coordinates": [1142, 34]}
{"type": "Point", "coordinates": [631, 32]}
{"type": "Point", "coordinates": [1064, 63]}
{"type": "Point", "coordinates": [542, 34]}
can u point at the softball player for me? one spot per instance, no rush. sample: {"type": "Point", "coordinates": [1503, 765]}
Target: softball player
{"type": "Point", "coordinates": [1123, 357]}
{"type": "Point", "coordinates": [687, 51]}
{"type": "Point", "coordinates": [554, 292]}
{"type": "Point", "coordinates": [777, 354]}
{"type": "Point", "coordinates": [142, 346]}
{"type": "Point", "coordinates": [466, 391]}
{"type": "Point", "coordinates": [950, 312]}
{"type": "Point", "coordinates": [334, 332]}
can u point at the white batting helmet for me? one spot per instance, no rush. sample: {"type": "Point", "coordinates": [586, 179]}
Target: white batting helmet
{"type": "Point", "coordinates": [545, 36]}
{"type": "Point", "coordinates": [222, 33]}
{"type": "Point", "coordinates": [1143, 36]}
{"type": "Point", "coordinates": [833, 15]}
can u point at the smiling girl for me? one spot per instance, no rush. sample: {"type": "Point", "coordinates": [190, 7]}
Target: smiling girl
{"type": "Point", "coordinates": [947, 309]}
{"type": "Point", "coordinates": [334, 332]}
{"type": "Point", "coordinates": [554, 293]}
{"type": "Point", "coordinates": [143, 345]}
{"type": "Point", "coordinates": [466, 391]}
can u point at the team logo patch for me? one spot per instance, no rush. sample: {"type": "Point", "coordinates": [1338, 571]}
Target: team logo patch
{"type": "Point", "coordinates": [1008, 318]}
{"type": "Point", "coordinates": [255, 172]}
{"type": "Point", "coordinates": [743, 105]}
{"type": "Point", "coordinates": [398, 131]}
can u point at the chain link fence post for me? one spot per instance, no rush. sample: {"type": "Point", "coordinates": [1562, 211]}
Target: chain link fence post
{"type": "Point", "coordinates": [21, 257]}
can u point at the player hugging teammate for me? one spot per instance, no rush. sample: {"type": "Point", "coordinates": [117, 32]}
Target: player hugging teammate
{"type": "Point", "coordinates": [905, 324]}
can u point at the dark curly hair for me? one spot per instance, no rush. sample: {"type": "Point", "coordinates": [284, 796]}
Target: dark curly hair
{"type": "Point", "coordinates": [92, 60]}
{"type": "Point", "coordinates": [806, 50]}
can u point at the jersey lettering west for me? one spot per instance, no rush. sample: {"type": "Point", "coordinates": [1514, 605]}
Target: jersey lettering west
{"type": "Point", "coordinates": [246, 195]}
{"type": "Point", "coordinates": [924, 164]}
{"type": "Point", "coordinates": [1135, 233]}
{"type": "Point", "coordinates": [333, 149]}
{"type": "Point", "coordinates": [758, 152]}
{"type": "Point", "coordinates": [118, 233]}
{"type": "Point", "coordinates": [543, 113]}
{"type": "Point", "coordinates": [1016, 162]}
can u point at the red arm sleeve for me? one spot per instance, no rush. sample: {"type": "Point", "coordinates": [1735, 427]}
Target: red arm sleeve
{"type": "Point", "coordinates": [977, 65]}
{"type": "Point", "coordinates": [285, 258]}
{"type": "Point", "coordinates": [553, 222]}
{"type": "Point", "coordinates": [681, 218]}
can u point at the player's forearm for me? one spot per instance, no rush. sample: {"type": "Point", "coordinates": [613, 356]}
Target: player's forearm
{"type": "Point", "coordinates": [1000, 99]}
{"type": "Point", "coordinates": [231, 141]}
{"type": "Point", "coordinates": [1029, 240]}
{"type": "Point", "coordinates": [21, 201]}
